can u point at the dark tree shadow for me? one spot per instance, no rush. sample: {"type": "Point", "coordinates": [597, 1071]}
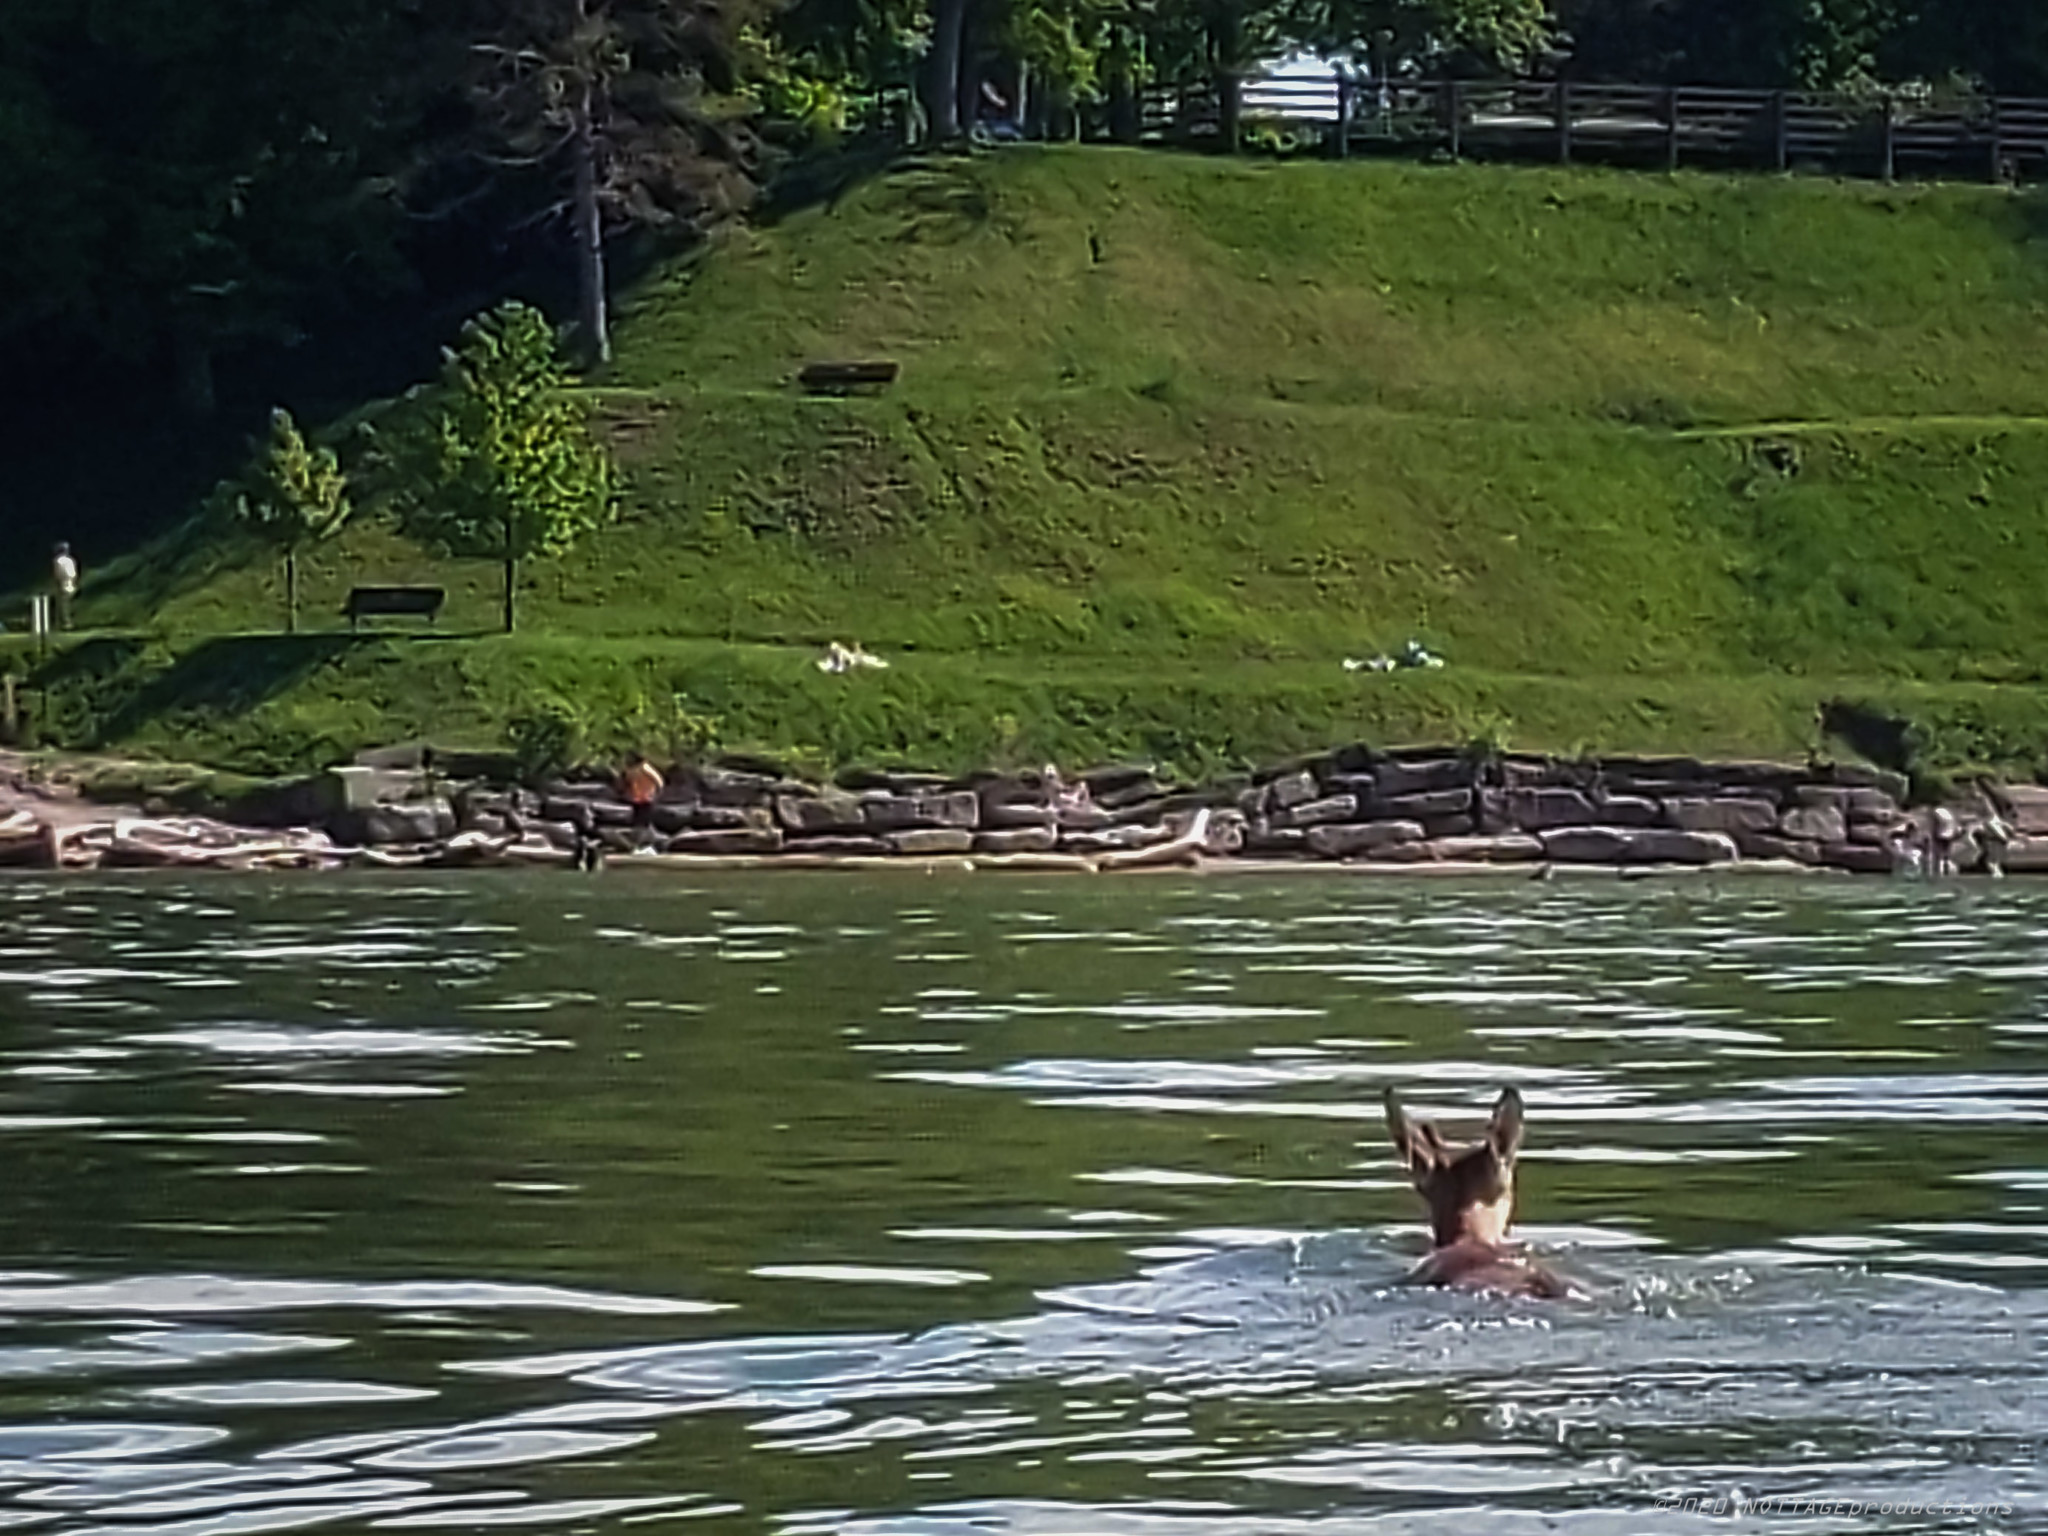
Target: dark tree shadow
{"type": "Point", "coordinates": [1876, 736]}
{"type": "Point", "coordinates": [227, 676]}
{"type": "Point", "coordinates": [133, 588]}
{"type": "Point", "coordinates": [824, 180]}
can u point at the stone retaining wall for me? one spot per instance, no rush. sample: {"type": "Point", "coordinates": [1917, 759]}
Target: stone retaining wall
{"type": "Point", "coordinates": [1354, 804]}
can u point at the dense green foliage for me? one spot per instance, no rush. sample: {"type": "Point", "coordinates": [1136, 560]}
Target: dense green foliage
{"type": "Point", "coordinates": [292, 494]}
{"type": "Point", "coordinates": [193, 187]}
{"type": "Point", "coordinates": [1658, 464]}
{"type": "Point", "coordinates": [500, 461]}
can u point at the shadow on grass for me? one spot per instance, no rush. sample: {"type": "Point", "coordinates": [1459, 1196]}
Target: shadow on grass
{"type": "Point", "coordinates": [822, 180]}
{"type": "Point", "coordinates": [228, 676]}
{"type": "Point", "coordinates": [1877, 735]}
{"type": "Point", "coordinates": [136, 587]}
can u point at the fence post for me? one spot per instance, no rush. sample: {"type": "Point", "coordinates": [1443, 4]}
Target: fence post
{"type": "Point", "coordinates": [1671, 128]}
{"type": "Point", "coordinates": [1997, 166]}
{"type": "Point", "coordinates": [1564, 122]}
{"type": "Point", "coordinates": [1457, 114]}
{"type": "Point", "coordinates": [1344, 89]}
{"type": "Point", "coordinates": [1891, 145]}
{"type": "Point", "coordinates": [1781, 129]}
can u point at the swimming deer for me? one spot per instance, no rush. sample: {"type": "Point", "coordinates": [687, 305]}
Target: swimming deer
{"type": "Point", "coordinates": [1470, 1192]}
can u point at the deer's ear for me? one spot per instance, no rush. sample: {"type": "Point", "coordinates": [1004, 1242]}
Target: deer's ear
{"type": "Point", "coordinates": [1504, 1130]}
{"type": "Point", "coordinates": [1420, 1146]}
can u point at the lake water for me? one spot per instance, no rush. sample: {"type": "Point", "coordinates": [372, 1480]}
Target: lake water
{"type": "Point", "coordinates": [836, 1203]}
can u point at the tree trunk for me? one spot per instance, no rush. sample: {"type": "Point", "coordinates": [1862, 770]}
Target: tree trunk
{"type": "Point", "coordinates": [1125, 112]}
{"type": "Point", "coordinates": [511, 585]}
{"type": "Point", "coordinates": [591, 313]}
{"type": "Point", "coordinates": [291, 591]}
{"type": "Point", "coordinates": [1230, 110]}
{"type": "Point", "coordinates": [967, 82]}
{"type": "Point", "coordinates": [942, 70]}
{"type": "Point", "coordinates": [1226, 62]}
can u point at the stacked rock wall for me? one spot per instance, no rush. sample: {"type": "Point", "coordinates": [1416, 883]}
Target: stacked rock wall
{"type": "Point", "coordinates": [1353, 804]}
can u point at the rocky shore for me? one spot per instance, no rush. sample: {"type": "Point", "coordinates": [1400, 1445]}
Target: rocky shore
{"type": "Point", "coordinates": [1356, 806]}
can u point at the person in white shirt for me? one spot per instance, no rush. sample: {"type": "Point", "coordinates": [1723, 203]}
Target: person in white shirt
{"type": "Point", "coordinates": [64, 573]}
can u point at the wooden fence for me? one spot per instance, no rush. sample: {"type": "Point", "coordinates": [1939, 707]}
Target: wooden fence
{"type": "Point", "coordinates": [1995, 138]}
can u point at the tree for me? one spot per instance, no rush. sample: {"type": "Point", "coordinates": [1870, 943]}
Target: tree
{"type": "Point", "coordinates": [1392, 33]}
{"type": "Point", "coordinates": [1061, 48]}
{"type": "Point", "coordinates": [1813, 43]}
{"type": "Point", "coordinates": [199, 173]}
{"type": "Point", "coordinates": [2002, 43]}
{"type": "Point", "coordinates": [504, 463]}
{"type": "Point", "coordinates": [292, 495]}
{"type": "Point", "coordinates": [634, 104]}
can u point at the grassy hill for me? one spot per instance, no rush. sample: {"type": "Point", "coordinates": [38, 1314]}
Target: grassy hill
{"type": "Point", "coordinates": [1658, 463]}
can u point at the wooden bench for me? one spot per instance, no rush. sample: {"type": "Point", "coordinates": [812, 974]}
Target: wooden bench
{"type": "Point", "coordinates": [419, 602]}
{"type": "Point", "coordinates": [845, 378]}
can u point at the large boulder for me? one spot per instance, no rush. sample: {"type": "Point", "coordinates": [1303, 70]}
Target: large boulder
{"type": "Point", "coordinates": [1627, 811]}
{"type": "Point", "coordinates": [890, 781]}
{"type": "Point", "coordinates": [997, 815]}
{"type": "Point", "coordinates": [738, 840]}
{"type": "Point", "coordinates": [358, 787]}
{"type": "Point", "coordinates": [1816, 824]}
{"type": "Point", "coordinates": [1516, 773]}
{"type": "Point", "coordinates": [727, 786]}
{"type": "Point", "coordinates": [1733, 815]}
{"type": "Point", "coordinates": [853, 846]}
{"type": "Point", "coordinates": [1040, 839]}
{"type": "Point", "coordinates": [1355, 839]}
{"type": "Point", "coordinates": [827, 813]}
{"type": "Point", "coordinates": [1290, 790]}
{"type": "Point", "coordinates": [1509, 849]}
{"type": "Point", "coordinates": [1016, 801]}
{"type": "Point", "coordinates": [1316, 813]}
{"type": "Point", "coordinates": [725, 818]}
{"type": "Point", "coordinates": [1262, 837]}
{"type": "Point", "coordinates": [1879, 834]}
{"type": "Point", "coordinates": [1831, 796]}
{"type": "Point", "coordinates": [1424, 777]}
{"type": "Point", "coordinates": [1121, 784]}
{"type": "Point", "coordinates": [1539, 810]}
{"type": "Point", "coordinates": [958, 809]}
{"type": "Point", "coordinates": [1774, 845]}
{"type": "Point", "coordinates": [1423, 805]}
{"type": "Point", "coordinates": [928, 842]}
{"type": "Point", "coordinates": [1858, 858]}
{"type": "Point", "coordinates": [2024, 807]}
{"type": "Point", "coordinates": [1895, 786]}
{"type": "Point", "coordinates": [671, 818]}
{"type": "Point", "coordinates": [376, 826]}
{"type": "Point", "coordinates": [1636, 845]}
{"type": "Point", "coordinates": [1871, 805]}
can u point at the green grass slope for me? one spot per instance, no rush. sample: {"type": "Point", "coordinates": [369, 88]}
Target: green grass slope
{"type": "Point", "coordinates": [1659, 463]}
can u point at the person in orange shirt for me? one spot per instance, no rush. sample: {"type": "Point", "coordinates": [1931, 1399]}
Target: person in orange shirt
{"type": "Point", "coordinates": [641, 783]}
